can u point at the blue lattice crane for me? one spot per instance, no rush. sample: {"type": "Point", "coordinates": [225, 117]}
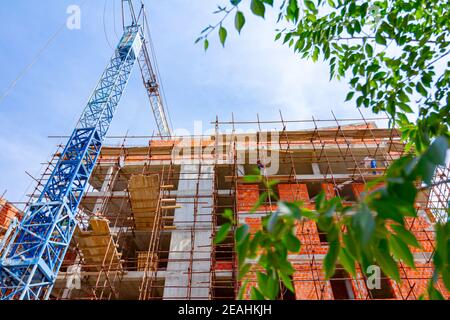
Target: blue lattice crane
{"type": "Point", "coordinates": [31, 257]}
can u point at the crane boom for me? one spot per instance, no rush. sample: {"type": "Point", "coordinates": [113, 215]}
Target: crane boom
{"type": "Point", "coordinates": [151, 84]}
{"type": "Point", "coordinates": [149, 77]}
{"type": "Point", "coordinates": [32, 257]}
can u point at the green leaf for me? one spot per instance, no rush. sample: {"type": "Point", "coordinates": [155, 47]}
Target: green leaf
{"type": "Point", "coordinates": [442, 254]}
{"type": "Point", "coordinates": [239, 21]}
{"type": "Point", "coordinates": [273, 286]}
{"type": "Point", "coordinates": [242, 250]}
{"type": "Point", "coordinates": [289, 209]}
{"type": "Point", "coordinates": [242, 290]}
{"type": "Point", "coordinates": [292, 11]}
{"type": "Point", "coordinates": [352, 8]}
{"type": "Point", "coordinates": [222, 233]}
{"type": "Point", "coordinates": [269, 2]}
{"type": "Point", "coordinates": [310, 5]}
{"type": "Point", "coordinates": [262, 198]}
{"type": "Point", "coordinates": [432, 157]}
{"type": "Point", "coordinates": [286, 267]}
{"type": "Point", "coordinates": [347, 261]}
{"type": "Point", "coordinates": [258, 8]}
{"type": "Point", "coordinates": [401, 251]}
{"type": "Point", "coordinates": [287, 281]}
{"type": "Point", "coordinates": [320, 200]}
{"type": "Point", "coordinates": [228, 214]}
{"type": "Point", "coordinates": [206, 44]}
{"type": "Point", "coordinates": [255, 294]}
{"type": "Point", "coordinates": [369, 50]}
{"type": "Point", "coordinates": [350, 246]}
{"type": "Point", "coordinates": [405, 235]}
{"type": "Point", "coordinates": [263, 282]}
{"type": "Point", "coordinates": [222, 35]}
{"type": "Point", "coordinates": [254, 243]}
{"type": "Point", "coordinates": [308, 214]}
{"type": "Point", "coordinates": [385, 261]}
{"type": "Point", "coordinates": [420, 89]}
{"type": "Point", "coordinates": [291, 242]}
{"type": "Point", "coordinates": [241, 233]}
{"type": "Point", "coordinates": [350, 96]}
{"type": "Point", "coordinates": [235, 2]}
{"type": "Point", "coordinates": [331, 258]}
{"type": "Point", "coordinates": [252, 178]}
{"type": "Point", "coordinates": [380, 39]}
{"type": "Point", "coordinates": [406, 108]}
{"type": "Point", "coordinates": [437, 152]}
{"type": "Point", "coordinates": [364, 224]}
{"type": "Point", "coordinates": [433, 293]}
{"type": "Point", "coordinates": [273, 219]}
{"type": "Point", "coordinates": [244, 270]}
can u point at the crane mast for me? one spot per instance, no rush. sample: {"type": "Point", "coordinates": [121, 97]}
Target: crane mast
{"type": "Point", "coordinates": [31, 257]}
{"type": "Point", "coordinates": [147, 66]}
{"type": "Point", "coordinates": [153, 91]}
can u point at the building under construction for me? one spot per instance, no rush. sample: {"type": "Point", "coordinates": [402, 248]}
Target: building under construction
{"type": "Point", "coordinates": [147, 222]}
{"type": "Point", "coordinates": [125, 221]}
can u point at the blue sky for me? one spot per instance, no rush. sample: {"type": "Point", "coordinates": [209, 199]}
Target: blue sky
{"type": "Point", "coordinates": [253, 74]}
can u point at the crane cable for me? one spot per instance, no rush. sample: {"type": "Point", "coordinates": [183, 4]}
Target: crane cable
{"type": "Point", "coordinates": [146, 29]}
{"type": "Point", "coordinates": [104, 25]}
{"type": "Point", "coordinates": [155, 62]}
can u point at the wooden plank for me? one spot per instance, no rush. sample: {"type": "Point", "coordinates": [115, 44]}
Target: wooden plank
{"type": "Point", "coordinates": [97, 244]}
{"type": "Point", "coordinates": [144, 196]}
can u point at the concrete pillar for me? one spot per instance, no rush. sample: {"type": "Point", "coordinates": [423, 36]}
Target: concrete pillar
{"type": "Point", "coordinates": [316, 168]}
{"type": "Point", "coordinates": [185, 278]}
{"type": "Point", "coordinates": [107, 185]}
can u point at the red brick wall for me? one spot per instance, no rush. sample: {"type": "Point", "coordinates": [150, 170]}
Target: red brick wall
{"type": "Point", "coordinates": [309, 282]}
{"type": "Point", "coordinates": [423, 232]}
{"type": "Point", "coordinates": [309, 278]}
{"type": "Point", "coordinates": [254, 224]}
{"type": "Point", "coordinates": [247, 196]}
{"type": "Point", "coordinates": [308, 235]}
{"type": "Point", "coordinates": [329, 190]}
{"type": "Point", "coordinates": [357, 189]}
{"type": "Point", "coordinates": [293, 192]}
{"type": "Point", "coordinates": [7, 213]}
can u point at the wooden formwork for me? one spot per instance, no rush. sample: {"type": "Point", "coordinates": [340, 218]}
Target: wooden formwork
{"type": "Point", "coordinates": [144, 195]}
{"type": "Point", "coordinates": [97, 245]}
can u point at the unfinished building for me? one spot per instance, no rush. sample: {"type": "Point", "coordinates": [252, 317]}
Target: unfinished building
{"type": "Point", "coordinates": [147, 223]}
{"type": "Point", "coordinates": [8, 214]}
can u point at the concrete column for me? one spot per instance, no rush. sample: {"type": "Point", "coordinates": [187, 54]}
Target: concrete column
{"type": "Point", "coordinates": [107, 185]}
{"type": "Point", "coordinates": [183, 278]}
{"type": "Point", "coordinates": [316, 168]}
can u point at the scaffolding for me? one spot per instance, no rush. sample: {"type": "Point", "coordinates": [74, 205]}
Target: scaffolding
{"type": "Point", "coordinates": [148, 220]}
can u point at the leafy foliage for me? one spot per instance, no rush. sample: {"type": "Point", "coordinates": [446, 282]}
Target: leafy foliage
{"type": "Point", "coordinates": [389, 53]}
{"type": "Point", "coordinates": [371, 232]}
{"type": "Point", "coordinates": [387, 49]}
